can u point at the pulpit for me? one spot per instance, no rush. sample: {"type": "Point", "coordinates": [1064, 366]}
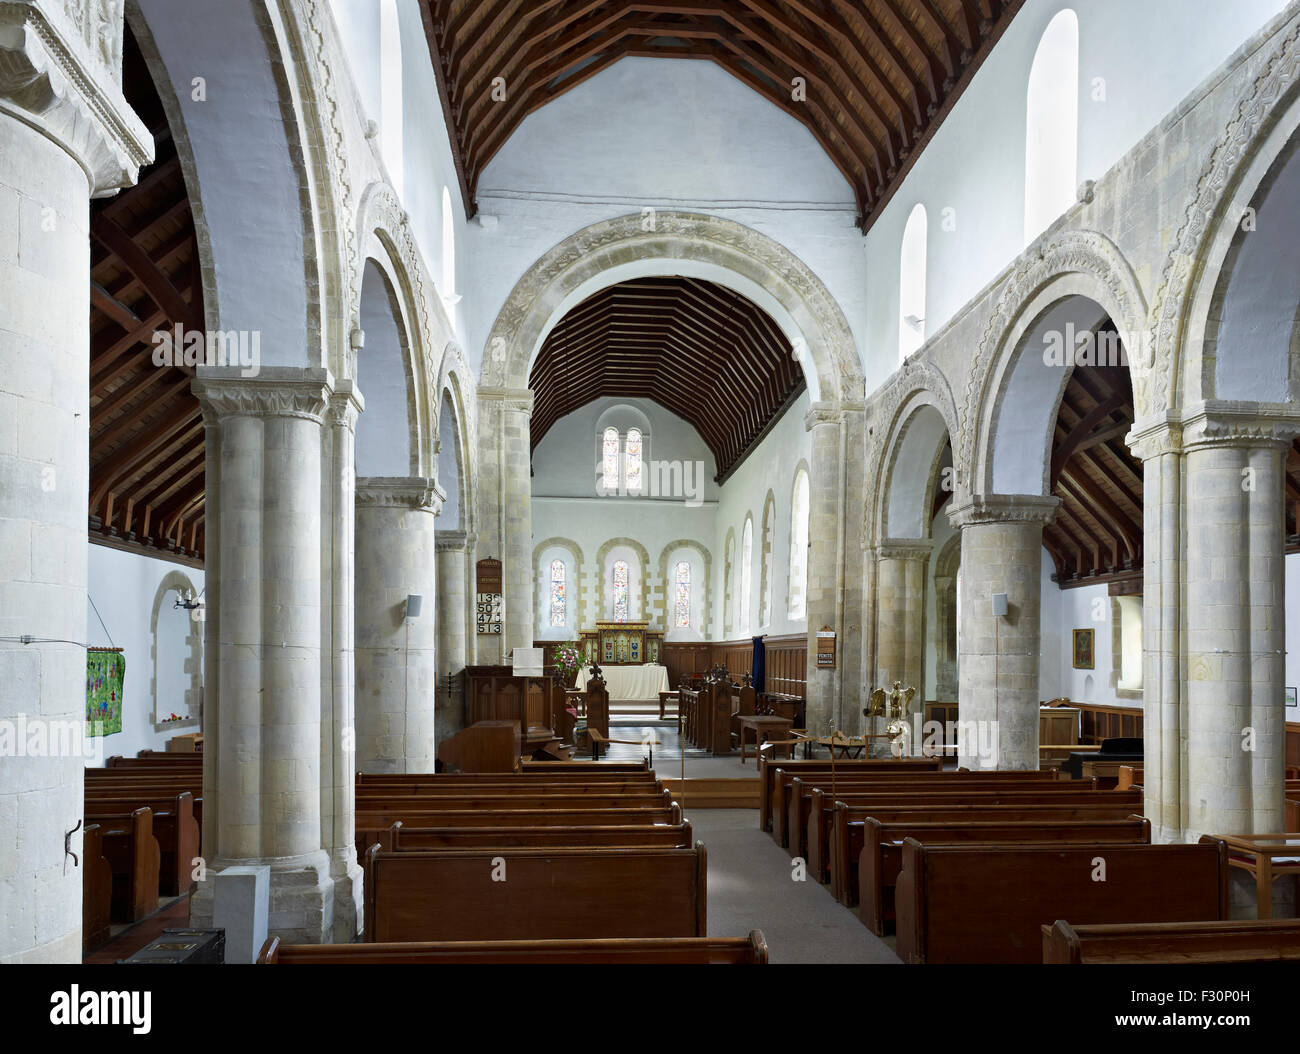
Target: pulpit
{"type": "Point", "coordinates": [495, 693]}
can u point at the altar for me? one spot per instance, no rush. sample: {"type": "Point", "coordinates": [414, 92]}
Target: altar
{"type": "Point", "coordinates": [629, 683]}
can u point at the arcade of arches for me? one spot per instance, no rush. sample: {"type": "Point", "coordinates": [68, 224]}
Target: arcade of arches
{"type": "Point", "coordinates": [388, 378]}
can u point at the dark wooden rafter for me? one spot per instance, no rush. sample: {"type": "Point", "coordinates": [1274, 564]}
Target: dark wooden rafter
{"type": "Point", "coordinates": [1097, 533]}
{"type": "Point", "coordinates": [705, 353]}
{"type": "Point", "coordinates": [879, 75]}
{"type": "Point", "coordinates": [146, 428]}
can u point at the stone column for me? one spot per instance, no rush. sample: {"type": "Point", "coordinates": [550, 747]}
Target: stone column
{"type": "Point", "coordinates": [262, 778]}
{"type": "Point", "coordinates": [506, 520]}
{"type": "Point", "coordinates": [834, 490]}
{"type": "Point", "coordinates": [66, 135]}
{"type": "Point", "coordinates": [901, 566]}
{"type": "Point", "coordinates": [1164, 702]}
{"type": "Point", "coordinates": [453, 625]}
{"type": "Point", "coordinates": [396, 655]}
{"type": "Point", "coordinates": [338, 675]}
{"type": "Point", "coordinates": [1001, 552]}
{"type": "Point", "coordinates": [1235, 617]}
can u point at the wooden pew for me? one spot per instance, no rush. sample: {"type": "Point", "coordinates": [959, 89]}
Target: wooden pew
{"type": "Point", "coordinates": [583, 767]}
{"type": "Point", "coordinates": [1245, 941]}
{"type": "Point", "coordinates": [636, 787]}
{"type": "Point", "coordinates": [663, 951]}
{"type": "Point", "coordinates": [96, 889]}
{"type": "Point", "coordinates": [847, 827]}
{"type": "Point", "coordinates": [881, 858]}
{"type": "Point", "coordinates": [799, 802]}
{"type": "Point", "coordinates": [402, 839]}
{"type": "Point", "coordinates": [531, 777]}
{"type": "Point", "coordinates": [371, 823]}
{"type": "Point", "coordinates": [988, 903]}
{"type": "Point", "coordinates": [132, 854]}
{"type": "Point", "coordinates": [520, 800]}
{"type": "Point", "coordinates": [175, 828]}
{"type": "Point", "coordinates": [548, 894]}
{"type": "Point", "coordinates": [769, 768]}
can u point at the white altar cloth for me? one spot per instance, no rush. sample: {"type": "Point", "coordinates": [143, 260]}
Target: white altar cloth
{"type": "Point", "coordinates": [629, 683]}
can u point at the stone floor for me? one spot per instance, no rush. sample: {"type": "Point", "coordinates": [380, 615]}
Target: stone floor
{"type": "Point", "coordinates": [750, 888]}
{"type": "Point", "coordinates": [666, 746]}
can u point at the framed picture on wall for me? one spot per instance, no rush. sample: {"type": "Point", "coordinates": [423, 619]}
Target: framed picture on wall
{"type": "Point", "coordinates": [1292, 703]}
{"type": "Point", "coordinates": [1084, 658]}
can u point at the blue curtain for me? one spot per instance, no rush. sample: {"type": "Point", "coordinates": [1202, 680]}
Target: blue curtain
{"type": "Point", "coordinates": [758, 672]}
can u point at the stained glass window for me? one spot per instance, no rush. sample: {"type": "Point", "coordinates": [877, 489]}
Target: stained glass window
{"type": "Point", "coordinates": [559, 601]}
{"type": "Point", "coordinates": [620, 591]}
{"type": "Point", "coordinates": [609, 454]}
{"type": "Point", "coordinates": [682, 611]}
{"type": "Point", "coordinates": [633, 480]}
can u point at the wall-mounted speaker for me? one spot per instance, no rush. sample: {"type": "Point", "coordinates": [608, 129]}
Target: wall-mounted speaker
{"type": "Point", "coordinates": [413, 604]}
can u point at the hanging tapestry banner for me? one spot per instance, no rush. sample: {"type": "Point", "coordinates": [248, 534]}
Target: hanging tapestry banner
{"type": "Point", "coordinates": [105, 671]}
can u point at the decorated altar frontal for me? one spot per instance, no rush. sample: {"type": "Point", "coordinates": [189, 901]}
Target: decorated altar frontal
{"type": "Point", "coordinates": [629, 683]}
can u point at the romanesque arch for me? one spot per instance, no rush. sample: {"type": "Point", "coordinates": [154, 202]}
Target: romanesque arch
{"type": "Point", "coordinates": [1262, 124]}
{"type": "Point", "coordinates": [1082, 277]}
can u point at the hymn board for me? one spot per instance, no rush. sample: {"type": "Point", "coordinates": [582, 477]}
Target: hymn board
{"type": "Point", "coordinates": [488, 603]}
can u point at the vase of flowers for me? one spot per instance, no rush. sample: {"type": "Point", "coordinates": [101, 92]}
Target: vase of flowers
{"type": "Point", "coordinates": [567, 661]}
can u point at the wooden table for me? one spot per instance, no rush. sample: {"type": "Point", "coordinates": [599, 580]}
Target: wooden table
{"type": "Point", "coordinates": [1266, 856]}
{"type": "Point", "coordinates": [761, 724]}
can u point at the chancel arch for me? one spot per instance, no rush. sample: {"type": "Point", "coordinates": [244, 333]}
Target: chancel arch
{"type": "Point", "coordinates": [738, 258]}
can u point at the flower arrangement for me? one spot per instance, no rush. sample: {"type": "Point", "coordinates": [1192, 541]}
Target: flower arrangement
{"type": "Point", "coordinates": [567, 659]}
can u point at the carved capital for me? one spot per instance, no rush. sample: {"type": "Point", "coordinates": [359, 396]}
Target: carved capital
{"type": "Point", "coordinates": [905, 549]}
{"type": "Point", "coordinates": [274, 392]}
{"type": "Point", "coordinates": [1242, 425]}
{"type": "Point", "coordinates": [60, 70]}
{"type": "Point", "coordinates": [400, 492]}
{"type": "Point", "coordinates": [1155, 437]}
{"type": "Point", "coordinates": [345, 405]}
{"type": "Point", "coordinates": [1003, 508]}
{"type": "Point", "coordinates": [451, 542]}
{"type": "Point", "coordinates": [517, 399]}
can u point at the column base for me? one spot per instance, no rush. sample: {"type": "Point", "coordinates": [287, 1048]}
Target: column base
{"type": "Point", "coordinates": [349, 896]}
{"type": "Point", "coordinates": [302, 898]}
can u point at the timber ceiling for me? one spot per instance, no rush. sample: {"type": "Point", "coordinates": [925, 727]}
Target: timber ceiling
{"type": "Point", "coordinates": [146, 429]}
{"type": "Point", "coordinates": [878, 76]}
{"type": "Point", "coordinates": [698, 349]}
{"type": "Point", "coordinates": [1097, 533]}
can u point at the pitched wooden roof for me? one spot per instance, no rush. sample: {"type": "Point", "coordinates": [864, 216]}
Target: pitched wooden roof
{"type": "Point", "coordinates": [698, 349]}
{"type": "Point", "coordinates": [146, 429]}
{"type": "Point", "coordinates": [1097, 533]}
{"type": "Point", "coordinates": [877, 76]}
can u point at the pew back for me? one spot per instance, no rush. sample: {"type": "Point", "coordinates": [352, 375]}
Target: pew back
{"type": "Point", "coordinates": [1244, 941]}
{"type": "Point", "coordinates": [536, 894]}
{"type": "Point", "coordinates": [988, 903]}
{"type": "Point", "coordinates": [662, 951]}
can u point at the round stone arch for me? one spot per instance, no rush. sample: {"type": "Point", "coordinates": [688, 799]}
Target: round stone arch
{"type": "Point", "coordinates": [452, 379]}
{"type": "Point", "coordinates": [598, 573]}
{"type": "Point", "coordinates": [679, 243]}
{"type": "Point", "coordinates": [175, 582]}
{"type": "Point", "coordinates": [385, 237]}
{"type": "Point", "coordinates": [918, 416]}
{"type": "Point", "coordinates": [706, 559]}
{"type": "Point", "coordinates": [1078, 278]}
{"type": "Point", "coordinates": [1185, 312]}
{"type": "Point", "coordinates": [574, 550]}
{"type": "Point", "coordinates": [283, 54]}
